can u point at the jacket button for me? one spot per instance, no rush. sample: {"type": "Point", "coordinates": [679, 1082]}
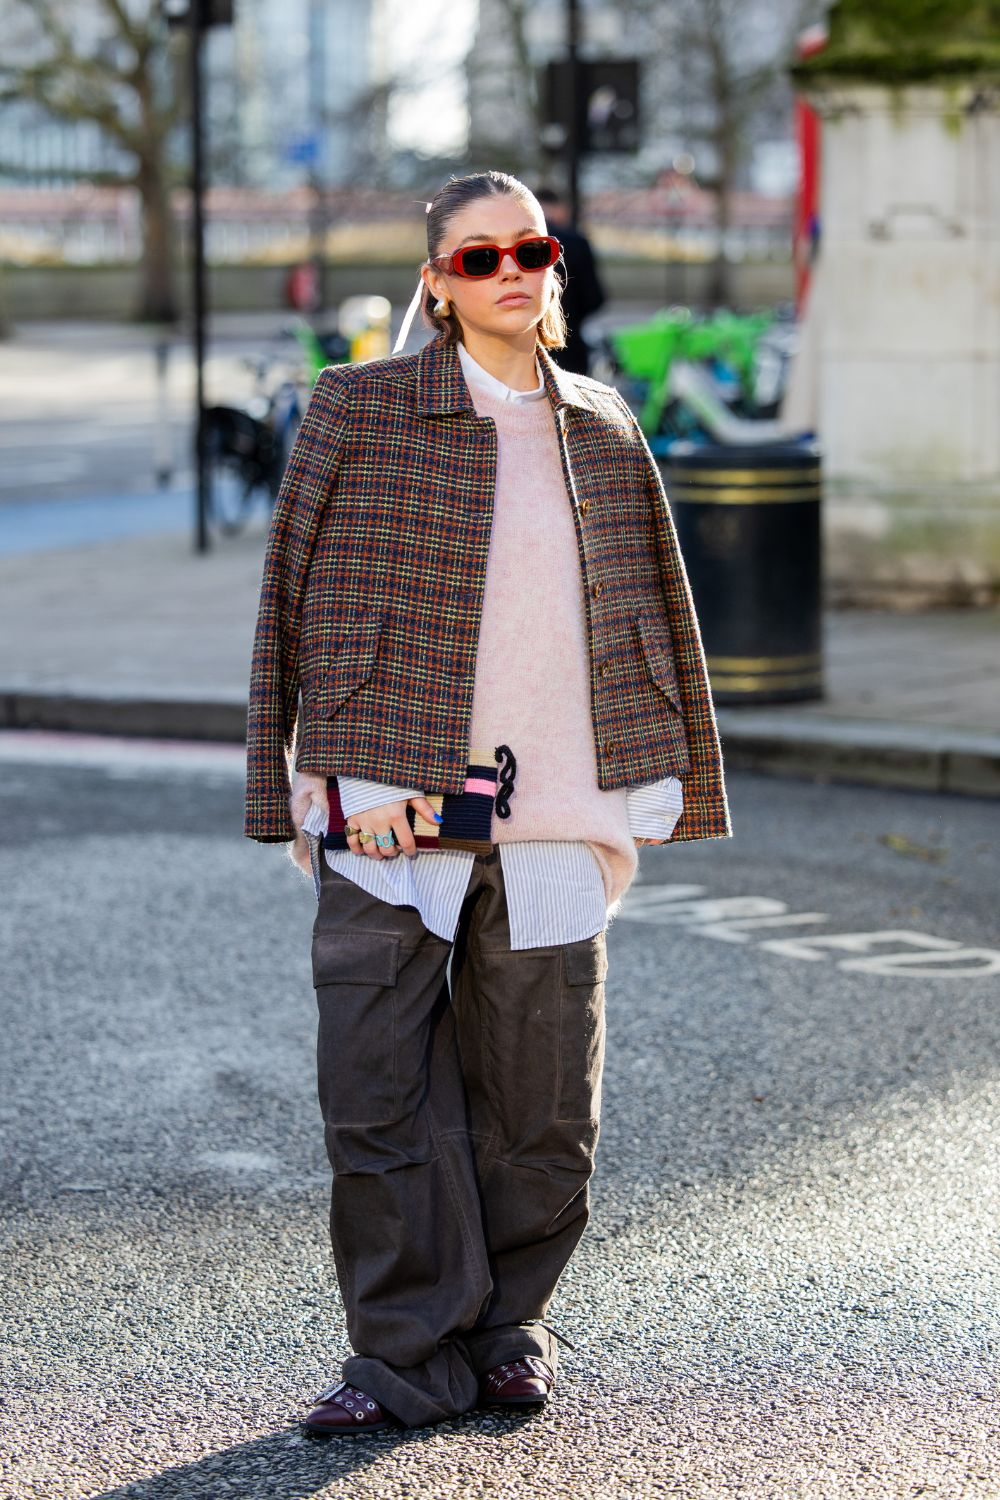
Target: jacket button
{"type": "Point", "coordinates": [597, 590]}
{"type": "Point", "coordinates": [584, 507]}
{"type": "Point", "coordinates": [604, 668]}
{"type": "Point", "coordinates": [610, 750]}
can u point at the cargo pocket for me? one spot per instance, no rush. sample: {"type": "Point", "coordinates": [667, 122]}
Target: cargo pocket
{"type": "Point", "coordinates": [354, 975]}
{"type": "Point", "coordinates": [582, 1029]}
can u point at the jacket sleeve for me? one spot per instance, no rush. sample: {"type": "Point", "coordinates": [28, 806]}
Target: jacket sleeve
{"type": "Point", "coordinates": [272, 712]}
{"type": "Point", "coordinates": [706, 811]}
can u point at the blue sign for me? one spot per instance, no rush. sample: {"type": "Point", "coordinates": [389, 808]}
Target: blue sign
{"type": "Point", "coordinates": [303, 149]}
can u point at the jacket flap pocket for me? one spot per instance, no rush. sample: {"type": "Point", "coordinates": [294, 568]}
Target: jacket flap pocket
{"type": "Point", "coordinates": [355, 958]}
{"type": "Point", "coordinates": [658, 655]}
{"type": "Point", "coordinates": [586, 964]}
{"type": "Point", "coordinates": [352, 664]}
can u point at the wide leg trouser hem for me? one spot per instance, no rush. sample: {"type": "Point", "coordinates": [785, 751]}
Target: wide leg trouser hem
{"type": "Point", "coordinates": [496, 1346]}
{"type": "Point", "coordinates": [444, 1386]}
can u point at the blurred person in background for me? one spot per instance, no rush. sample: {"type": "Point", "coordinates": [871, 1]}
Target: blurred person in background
{"type": "Point", "coordinates": [472, 573]}
{"type": "Point", "coordinates": [583, 293]}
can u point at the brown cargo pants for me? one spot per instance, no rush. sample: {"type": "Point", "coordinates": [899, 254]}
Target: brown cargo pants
{"type": "Point", "coordinates": [461, 1126]}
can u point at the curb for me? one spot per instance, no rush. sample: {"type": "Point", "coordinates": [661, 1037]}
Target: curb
{"type": "Point", "coordinates": [96, 712]}
{"type": "Point", "coordinates": [908, 757]}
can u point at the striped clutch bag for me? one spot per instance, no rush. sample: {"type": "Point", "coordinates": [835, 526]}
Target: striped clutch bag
{"type": "Point", "coordinates": [466, 816]}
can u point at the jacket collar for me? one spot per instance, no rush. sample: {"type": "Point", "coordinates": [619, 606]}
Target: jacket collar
{"type": "Point", "coordinates": [442, 387]}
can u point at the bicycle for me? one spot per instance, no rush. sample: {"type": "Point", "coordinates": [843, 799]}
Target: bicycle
{"type": "Point", "coordinates": [247, 449]}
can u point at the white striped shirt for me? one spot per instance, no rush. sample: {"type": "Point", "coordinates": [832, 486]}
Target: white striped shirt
{"type": "Point", "coordinates": [555, 890]}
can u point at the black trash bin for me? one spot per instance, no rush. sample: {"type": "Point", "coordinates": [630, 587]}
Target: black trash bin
{"type": "Point", "coordinates": [748, 522]}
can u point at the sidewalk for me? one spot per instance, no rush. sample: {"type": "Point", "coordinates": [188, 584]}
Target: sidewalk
{"type": "Point", "coordinates": [142, 637]}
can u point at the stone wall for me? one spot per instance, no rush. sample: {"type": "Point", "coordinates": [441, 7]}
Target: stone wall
{"type": "Point", "coordinates": [904, 318]}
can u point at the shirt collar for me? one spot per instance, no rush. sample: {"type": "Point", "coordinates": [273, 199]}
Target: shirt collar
{"type": "Point", "coordinates": [476, 375]}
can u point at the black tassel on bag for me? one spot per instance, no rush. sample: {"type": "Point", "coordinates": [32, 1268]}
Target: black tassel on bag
{"type": "Point", "coordinates": [507, 773]}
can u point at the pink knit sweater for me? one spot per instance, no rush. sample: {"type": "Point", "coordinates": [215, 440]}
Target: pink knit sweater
{"type": "Point", "coordinates": [532, 684]}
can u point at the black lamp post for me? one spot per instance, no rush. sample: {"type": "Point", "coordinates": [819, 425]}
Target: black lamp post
{"type": "Point", "coordinates": [573, 142]}
{"type": "Point", "coordinates": [196, 16]}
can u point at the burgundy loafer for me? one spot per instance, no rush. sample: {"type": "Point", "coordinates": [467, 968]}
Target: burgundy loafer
{"type": "Point", "coordinates": [343, 1409]}
{"type": "Point", "coordinates": [520, 1382]}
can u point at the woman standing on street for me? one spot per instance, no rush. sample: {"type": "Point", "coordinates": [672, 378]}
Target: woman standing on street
{"type": "Point", "coordinates": [473, 575]}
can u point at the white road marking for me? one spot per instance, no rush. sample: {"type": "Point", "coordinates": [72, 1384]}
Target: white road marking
{"type": "Point", "coordinates": [958, 963]}
{"type": "Point", "coordinates": [733, 931]}
{"type": "Point", "coordinates": [729, 919]}
{"type": "Point", "coordinates": [719, 908]}
{"type": "Point", "coordinates": [852, 942]}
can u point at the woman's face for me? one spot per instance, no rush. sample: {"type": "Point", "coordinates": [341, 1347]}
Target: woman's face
{"type": "Point", "coordinates": [512, 302]}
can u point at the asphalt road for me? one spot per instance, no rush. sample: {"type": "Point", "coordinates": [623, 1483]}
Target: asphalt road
{"type": "Point", "coordinates": [81, 407]}
{"type": "Point", "coordinates": [791, 1280]}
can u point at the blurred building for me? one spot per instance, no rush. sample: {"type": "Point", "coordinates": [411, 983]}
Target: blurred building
{"type": "Point", "coordinates": [301, 91]}
{"type": "Point", "coordinates": [297, 91]}
{"type": "Point", "coordinates": [313, 89]}
{"type": "Point", "coordinates": [368, 99]}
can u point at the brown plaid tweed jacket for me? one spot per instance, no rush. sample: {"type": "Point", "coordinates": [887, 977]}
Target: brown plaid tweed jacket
{"type": "Point", "coordinates": [373, 584]}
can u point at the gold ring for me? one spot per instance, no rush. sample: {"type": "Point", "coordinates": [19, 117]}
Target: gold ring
{"type": "Point", "coordinates": [364, 838]}
{"type": "Point", "coordinates": [349, 831]}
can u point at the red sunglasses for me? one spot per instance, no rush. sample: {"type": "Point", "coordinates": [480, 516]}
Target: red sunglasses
{"type": "Point", "coordinates": [476, 262]}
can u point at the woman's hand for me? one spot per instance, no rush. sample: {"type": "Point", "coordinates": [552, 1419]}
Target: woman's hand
{"type": "Point", "coordinates": [307, 791]}
{"type": "Point", "coordinates": [639, 842]}
{"type": "Point", "coordinates": [386, 816]}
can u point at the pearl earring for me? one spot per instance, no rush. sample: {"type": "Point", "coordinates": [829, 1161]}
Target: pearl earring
{"type": "Point", "coordinates": [441, 307]}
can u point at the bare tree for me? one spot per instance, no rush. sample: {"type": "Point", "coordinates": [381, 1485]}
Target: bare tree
{"type": "Point", "coordinates": [720, 66]}
{"type": "Point", "coordinates": [504, 79]}
{"type": "Point", "coordinates": [119, 79]}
